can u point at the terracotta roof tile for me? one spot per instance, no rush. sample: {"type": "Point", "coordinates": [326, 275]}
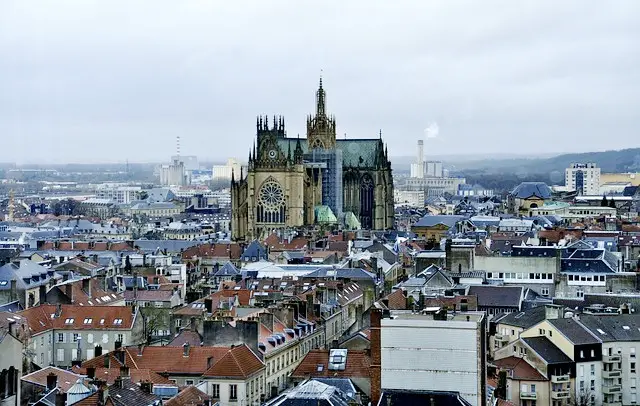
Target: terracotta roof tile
{"type": "Point", "coordinates": [137, 375]}
{"type": "Point", "coordinates": [358, 363]}
{"type": "Point", "coordinates": [172, 360]}
{"type": "Point", "coordinates": [397, 300]}
{"type": "Point", "coordinates": [521, 370]}
{"type": "Point", "coordinates": [66, 379]}
{"type": "Point", "coordinates": [230, 251]}
{"type": "Point", "coordinates": [239, 362]}
{"type": "Point", "coordinates": [190, 396]}
{"type": "Point", "coordinates": [75, 317]}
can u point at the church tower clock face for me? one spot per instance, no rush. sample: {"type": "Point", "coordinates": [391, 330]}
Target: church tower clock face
{"type": "Point", "coordinates": [273, 154]}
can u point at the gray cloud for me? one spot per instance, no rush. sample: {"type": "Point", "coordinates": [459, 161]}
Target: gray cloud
{"type": "Point", "coordinates": [107, 81]}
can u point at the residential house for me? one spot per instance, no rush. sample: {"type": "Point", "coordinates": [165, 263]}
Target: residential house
{"type": "Point", "coordinates": [11, 349]}
{"type": "Point", "coordinates": [61, 334]}
{"type": "Point", "coordinates": [27, 282]}
{"type": "Point", "coordinates": [498, 299]}
{"type": "Point", "coordinates": [84, 292]}
{"type": "Point", "coordinates": [231, 375]}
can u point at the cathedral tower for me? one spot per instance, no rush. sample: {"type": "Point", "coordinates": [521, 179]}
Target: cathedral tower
{"type": "Point", "coordinates": [321, 129]}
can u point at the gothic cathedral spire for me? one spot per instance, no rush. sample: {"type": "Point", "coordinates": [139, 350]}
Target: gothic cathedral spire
{"type": "Point", "coordinates": [320, 100]}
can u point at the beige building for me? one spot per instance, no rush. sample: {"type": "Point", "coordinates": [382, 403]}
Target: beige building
{"type": "Point", "coordinates": [293, 182]}
{"type": "Point", "coordinates": [633, 178]}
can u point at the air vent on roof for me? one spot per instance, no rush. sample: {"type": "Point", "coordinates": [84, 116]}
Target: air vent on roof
{"type": "Point", "coordinates": [519, 315]}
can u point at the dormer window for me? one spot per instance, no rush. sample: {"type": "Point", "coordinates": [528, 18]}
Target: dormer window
{"type": "Point", "coordinates": [117, 322]}
{"type": "Point", "coordinates": [88, 321]}
{"type": "Point", "coordinates": [101, 321]}
{"type": "Point", "coordinates": [68, 321]}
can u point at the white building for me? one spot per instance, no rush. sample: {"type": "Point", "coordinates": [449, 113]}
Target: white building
{"type": "Point", "coordinates": [584, 178]}
{"type": "Point", "coordinates": [119, 194]}
{"type": "Point", "coordinates": [433, 169]}
{"type": "Point", "coordinates": [223, 172]}
{"type": "Point", "coordinates": [413, 198]}
{"type": "Point", "coordinates": [437, 355]}
{"type": "Point", "coordinates": [190, 161]}
{"type": "Point", "coordinates": [173, 174]}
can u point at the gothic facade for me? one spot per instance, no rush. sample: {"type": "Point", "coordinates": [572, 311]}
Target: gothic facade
{"type": "Point", "coordinates": [296, 182]}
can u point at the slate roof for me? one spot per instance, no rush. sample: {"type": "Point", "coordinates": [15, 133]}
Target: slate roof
{"type": "Point", "coordinates": [630, 190]}
{"type": "Point", "coordinates": [186, 336]}
{"type": "Point", "coordinates": [612, 328]}
{"type": "Point", "coordinates": [525, 319]}
{"type": "Point", "coordinates": [311, 393]}
{"type": "Point", "coordinates": [497, 296]}
{"type": "Point", "coordinates": [130, 394]}
{"type": "Point", "coordinates": [172, 246]}
{"type": "Point", "coordinates": [531, 189]}
{"type": "Point", "coordinates": [574, 331]}
{"type": "Point", "coordinates": [432, 398]}
{"type": "Point", "coordinates": [431, 221]}
{"type": "Point", "coordinates": [27, 274]}
{"type": "Point", "coordinates": [255, 249]}
{"type": "Point", "coordinates": [228, 269]}
{"type": "Point", "coordinates": [341, 273]}
{"type": "Point", "coordinates": [546, 350]}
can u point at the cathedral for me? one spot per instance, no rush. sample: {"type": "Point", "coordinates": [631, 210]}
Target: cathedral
{"type": "Point", "coordinates": [298, 182]}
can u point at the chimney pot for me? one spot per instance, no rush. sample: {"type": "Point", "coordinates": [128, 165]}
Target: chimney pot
{"type": "Point", "coordinates": [185, 349]}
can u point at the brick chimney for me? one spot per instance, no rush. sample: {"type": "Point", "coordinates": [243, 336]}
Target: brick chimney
{"type": "Point", "coordinates": [52, 381]}
{"type": "Point", "coordinates": [68, 290]}
{"type": "Point", "coordinates": [376, 357]}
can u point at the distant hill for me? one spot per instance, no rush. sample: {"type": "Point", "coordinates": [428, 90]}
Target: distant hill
{"type": "Point", "coordinates": [625, 160]}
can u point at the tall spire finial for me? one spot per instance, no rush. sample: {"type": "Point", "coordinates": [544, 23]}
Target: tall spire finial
{"type": "Point", "coordinates": [381, 133]}
{"type": "Point", "coordinates": [320, 99]}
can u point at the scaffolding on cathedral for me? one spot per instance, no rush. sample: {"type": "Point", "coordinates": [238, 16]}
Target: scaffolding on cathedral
{"type": "Point", "coordinates": [330, 164]}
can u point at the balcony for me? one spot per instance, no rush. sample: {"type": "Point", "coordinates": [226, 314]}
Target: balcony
{"type": "Point", "coordinates": [612, 358]}
{"type": "Point", "coordinates": [612, 403]}
{"type": "Point", "coordinates": [501, 338]}
{"type": "Point", "coordinates": [611, 389]}
{"type": "Point", "coordinates": [611, 374]}
{"type": "Point", "coordinates": [560, 378]}
{"type": "Point", "coordinates": [528, 395]}
{"type": "Point", "coordinates": [561, 394]}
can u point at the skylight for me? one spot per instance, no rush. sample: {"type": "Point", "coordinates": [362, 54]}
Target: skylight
{"type": "Point", "coordinates": [625, 327]}
{"type": "Point", "coordinates": [602, 332]}
{"type": "Point", "coordinates": [319, 367]}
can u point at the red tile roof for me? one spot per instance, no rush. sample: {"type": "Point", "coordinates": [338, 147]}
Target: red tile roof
{"type": "Point", "coordinates": [66, 379]}
{"type": "Point", "coordinates": [137, 375]}
{"type": "Point", "coordinates": [239, 362]}
{"type": "Point", "coordinates": [189, 396]}
{"type": "Point", "coordinates": [397, 300]}
{"type": "Point", "coordinates": [358, 363]}
{"type": "Point", "coordinates": [232, 251]}
{"type": "Point", "coordinates": [520, 369]}
{"type": "Point", "coordinates": [171, 360]}
{"type": "Point", "coordinates": [75, 317]}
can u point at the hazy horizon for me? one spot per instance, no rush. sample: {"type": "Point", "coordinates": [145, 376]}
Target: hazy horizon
{"type": "Point", "coordinates": [94, 81]}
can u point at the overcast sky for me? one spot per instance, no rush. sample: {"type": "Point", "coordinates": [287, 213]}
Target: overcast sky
{"type": "Point", "coordinates": [84, 81]}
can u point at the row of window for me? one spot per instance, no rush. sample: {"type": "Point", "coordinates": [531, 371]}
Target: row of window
{"type": "Point", "coordinates": [75, 337]}
{"type": "Point", "coordinates": [520, 275]}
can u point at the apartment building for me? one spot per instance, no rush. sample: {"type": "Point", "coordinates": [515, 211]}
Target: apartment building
{"type": "Point", "coordinates": [438, 355]}
{"type": "Point", "coordinates": [61, 334]}
{"type": "Point", "coordinates": [583, 178]}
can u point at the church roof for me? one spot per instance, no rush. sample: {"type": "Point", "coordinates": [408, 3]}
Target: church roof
{"type": "Point", "coordinates": [325, 215]}
{"type": "Point", "coordinates": [355, 152]}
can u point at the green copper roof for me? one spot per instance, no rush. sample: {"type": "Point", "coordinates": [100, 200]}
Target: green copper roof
{"type": "Point", "coordinates": [351, 221]}
{"type": "Point", "coordinates": [324, 214]}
